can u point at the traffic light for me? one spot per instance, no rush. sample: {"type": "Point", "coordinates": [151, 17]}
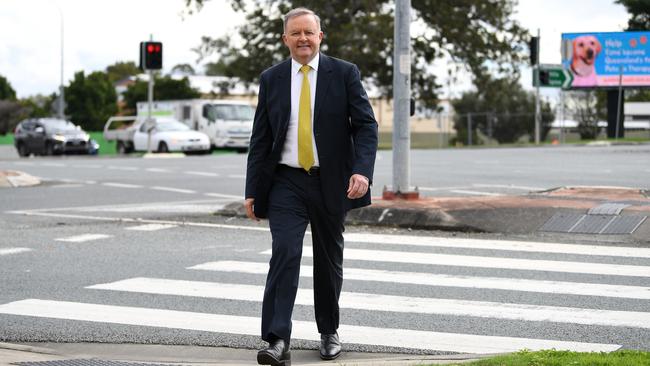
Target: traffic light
{"type": "Point", "coordinates": [151, 55]}
{"type": "Point", "coordinates": [533, 44]}
{"type": "Point", "coordinates": [544, 78]}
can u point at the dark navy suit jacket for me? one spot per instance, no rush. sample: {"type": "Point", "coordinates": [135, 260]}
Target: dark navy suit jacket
{"type": "Point", "coordinates": [345, 131]}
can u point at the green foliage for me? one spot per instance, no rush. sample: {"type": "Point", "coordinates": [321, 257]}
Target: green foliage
{"type": "Point", "coordinates": [500, 108]}
{"type": "Point", "coordinates": [121, 70]}
{"type": "Point", "coordinates": [166, 88]}
{"type": "Point", "coordinates": [480, 34]}
{"type": "Point", "coordinates": [91, 100]}
{"type": "Point", "coordinates": [639, 14]}
{"type": "Point", "coordinates": [39, 106]}
{"type": "Point", "coordinates": [567, 358]}
{"type": "Point", "coordinates": [6, 91]}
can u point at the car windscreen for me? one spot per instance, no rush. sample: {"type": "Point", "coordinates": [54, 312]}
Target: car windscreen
{"type": "Point", "coordinates": [56, 125]}
{"type": "Point", "coordinates": [233, 112]}
{"type": "Point", "coordinates": [171, 126]}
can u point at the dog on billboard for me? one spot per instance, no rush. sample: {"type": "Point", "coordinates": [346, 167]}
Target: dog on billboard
{"type": "Point", "coordinates": [585, 51]}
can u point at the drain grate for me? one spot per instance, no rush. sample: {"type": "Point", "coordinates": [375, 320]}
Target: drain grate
{"type": "Point", "coordinates": [592, 224]}
{"type": "Point", "coordinates": [87, 362]}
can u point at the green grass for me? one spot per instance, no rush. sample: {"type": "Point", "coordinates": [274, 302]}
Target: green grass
{"type": "Point", "coordinates": [566, 358]}
{"type": "Point", "coordinates": [7, 139]}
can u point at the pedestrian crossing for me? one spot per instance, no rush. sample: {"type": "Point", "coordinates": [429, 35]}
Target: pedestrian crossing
{"type": "Point", "coordinates": [367, 256]}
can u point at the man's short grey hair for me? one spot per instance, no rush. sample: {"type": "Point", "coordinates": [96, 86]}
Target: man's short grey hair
{"type": "Point", "coordinates": [296, 13]}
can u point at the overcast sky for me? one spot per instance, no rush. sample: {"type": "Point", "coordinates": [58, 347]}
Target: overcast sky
{"type": "Point", "coordinates": [98, 33]}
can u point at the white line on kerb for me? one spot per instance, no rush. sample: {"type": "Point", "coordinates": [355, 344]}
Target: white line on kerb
{"type": "Point", "coordinates": [442, 280]}
{"type": "Point", "coordinates": [7, 251]}
{"type": "Point", "coordinates": [176, 190]}
{"type": "Point", "coordinates": [519, 246]}
{"type": "Point", "coordinates": [231, 324]}
{"type": "Point", "coordinates": [236, 176]}
{"type": "Point", "coordinates": [83, 238]}
{"type": "Point", "coordinates": [489, 262]}
{"type": "Point", "coordinates": [221, 195]}
{"type": "Point", "coordinates": [150, 227]}
{"type": "Point", "coordinates": [401, 304]}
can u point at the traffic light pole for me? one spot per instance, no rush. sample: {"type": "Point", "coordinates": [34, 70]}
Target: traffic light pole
{"type": "Point", "coordinates": [149, 106]}
{"type": "Point", "coordinates": [537, 104]}
{"type": "Point", "coordinates": [401, 102]}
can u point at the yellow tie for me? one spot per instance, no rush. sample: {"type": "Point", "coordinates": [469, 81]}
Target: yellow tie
{"type": "Point", "coordinates": [305, 149]}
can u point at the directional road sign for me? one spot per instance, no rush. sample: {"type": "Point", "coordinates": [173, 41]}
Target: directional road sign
{"type": "Point", "coordinates": [553, 76]}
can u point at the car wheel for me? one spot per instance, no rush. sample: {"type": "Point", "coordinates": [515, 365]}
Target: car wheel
{"type": "Point", "coordinates": [49, 149]}
{"type": "Point", "coordinates": [23, 152]}
{"type": "Point", "coordinates": [162, 147]}
{"type": "Point", "coordinates": [121, 148]}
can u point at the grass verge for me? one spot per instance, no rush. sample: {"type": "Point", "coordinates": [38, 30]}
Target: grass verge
{"type": "Point", "coordinates": [566, 358]}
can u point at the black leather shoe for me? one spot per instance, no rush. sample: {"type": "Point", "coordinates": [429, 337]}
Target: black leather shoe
{"type": "Point", "coordinates": [330, 346]}
{"type": "Point", "coordinates": [276, 354]}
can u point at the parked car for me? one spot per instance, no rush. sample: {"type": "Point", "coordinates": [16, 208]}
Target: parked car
{"type": "Point", "coordinates": [51, 136]}
{"type": "Point", "coordinates": [168, 134]}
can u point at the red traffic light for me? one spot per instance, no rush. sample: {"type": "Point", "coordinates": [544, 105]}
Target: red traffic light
{"type": "Point", "coordinates": [150, 48]}
{"type": "Point", "coordinates": [151, 55]}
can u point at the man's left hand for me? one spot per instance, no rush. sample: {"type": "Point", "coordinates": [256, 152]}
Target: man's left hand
{"type": "Point", "coordinates": [358, 186]}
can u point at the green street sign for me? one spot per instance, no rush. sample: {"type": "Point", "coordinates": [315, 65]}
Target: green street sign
{"type": "Point", "coordinates": [552, 76]}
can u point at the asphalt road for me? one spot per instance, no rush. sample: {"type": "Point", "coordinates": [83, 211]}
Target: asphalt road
{"type": "Point", "coordinates": [125, 250]}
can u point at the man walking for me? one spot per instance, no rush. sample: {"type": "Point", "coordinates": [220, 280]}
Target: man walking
{"type": "Point", "coordinates": [311, 159]}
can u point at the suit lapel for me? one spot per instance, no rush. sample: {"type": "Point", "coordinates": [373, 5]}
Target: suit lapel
{"type": "Point", "coordinates": [322, 83]}
{"type": "Point", "coordinates": [284, 88]}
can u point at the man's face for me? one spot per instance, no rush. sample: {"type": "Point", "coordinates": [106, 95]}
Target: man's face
{"type": "Point", "coordinates": [302, 36]}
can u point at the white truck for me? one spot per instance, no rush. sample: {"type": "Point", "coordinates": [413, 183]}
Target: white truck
{"type": "Point", "coordinates": [228, 123]}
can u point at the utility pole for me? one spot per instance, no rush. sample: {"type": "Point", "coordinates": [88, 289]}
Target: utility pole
{"type": "Point", "coordinates": [402, 102]}
{"type": "Point", "coordinates": [538, 113]}
{"type": "Point", "coordinates": [61, 107]}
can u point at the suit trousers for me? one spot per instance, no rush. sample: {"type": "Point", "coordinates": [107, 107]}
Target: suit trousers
{"type": "Point", "coordinates": [295, 200]}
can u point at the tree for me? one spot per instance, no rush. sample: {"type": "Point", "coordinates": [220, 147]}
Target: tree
{"type": "Point", "coordinates": [501, 109]}
{"type": "Point", "coordinates": [165, 88]}
{"type": "Point", "coordinates": [40, 105]}
{"type": "Point", "coordinates": [6, 91]}
{"type": "Point", "coordinates": [480, 34]}
{"type": "Point", "coordinates": [639, 11]}
{"type": "Point", "coordinates": [91, 100]}
{"type": "Point", "coordinates": [183, 69]}
{"type": "Point", "coordinates": [121, 70]}
{"type": "Point", "coordinates": [587, 107]}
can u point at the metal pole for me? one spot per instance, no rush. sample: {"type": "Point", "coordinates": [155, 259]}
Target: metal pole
{"type": "Point", "coordinates": [537, 104]}
{"type": "Point", "coordinates": [562, 116]}
{"type": "Point", "coordinates": [440, 130]}
{"type": "Point", "coordinates": [620, 101]}
{"type": "Point", "coordinates": [469, 129]}
{"type": "Point", "coordinates": [61, 107]}
{"type": "Point", "coordinates": [149, 105]}
{"type": "Point", "coordinates": [401, 96]}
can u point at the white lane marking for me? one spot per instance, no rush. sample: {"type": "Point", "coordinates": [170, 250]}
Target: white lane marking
{"type": "Point", "coordinates": [176, 190]}
{"type": "Point", "coordinates": [475, 193]}
{"type": "Point", "coordinates": [129, 168]}
{"type": "Point", "coordinates": [83, 238]}
{"type": "Point", "coordinates": [439, 188]}
{"type": "Point", "coordinates": [25, 163]}
{"type": "Point", "coordinates": [158, 170]}
{"type": "Point", "coordinates": [236, 176]}
{"type": "Point", "coordinates": [8, 251]}
{"type": "Point", "coordinates": [57, 165]}
{"type": "Point", "coordinates": [400, 304]}
{"type": "Point", "coordinates": [87, 166]}
{"type": "Point", "coordinates": [127, 219]}
{"type": "Point", "coordinates": [432, 279]}
{"type": "Point", "coordinates": [221, 195]}
{"type": "Point", "coordinates": [489, 262]}
{"type": "Point", "coordinates": [231, 324]}
{"type": "Point", "coordinates": [519, 246]}
{"type": "Point", "coordinates": [150, 227]}
{"type": "Point", "coordinates": [523, 188]}
{"type": "Point", "coordinates": [121, 185]}
{"type": "Point", "coordinates": [70, 185]}
{"type": "Point", "coordinates": [203, 174]}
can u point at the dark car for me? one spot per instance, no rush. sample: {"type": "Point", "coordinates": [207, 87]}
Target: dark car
{"type": "Point", "coordinates": [50, 136]}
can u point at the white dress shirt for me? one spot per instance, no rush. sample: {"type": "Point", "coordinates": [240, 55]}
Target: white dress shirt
{"type": "Point", "coordinates": [290, 151]}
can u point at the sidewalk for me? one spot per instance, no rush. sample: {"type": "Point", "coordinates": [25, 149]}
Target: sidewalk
{"type": "Point", "coordinates": [81, 354]}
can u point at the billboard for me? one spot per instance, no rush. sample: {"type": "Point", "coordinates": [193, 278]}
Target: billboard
{"type": "Point", "coordinates": [596, 60]}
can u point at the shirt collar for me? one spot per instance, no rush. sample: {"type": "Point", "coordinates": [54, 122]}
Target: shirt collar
{"type": "Point", "coordinates": [295, 65]}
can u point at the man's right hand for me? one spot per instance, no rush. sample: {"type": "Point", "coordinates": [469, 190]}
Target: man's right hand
{"type": "Point", "coordinates": [248, 205]}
